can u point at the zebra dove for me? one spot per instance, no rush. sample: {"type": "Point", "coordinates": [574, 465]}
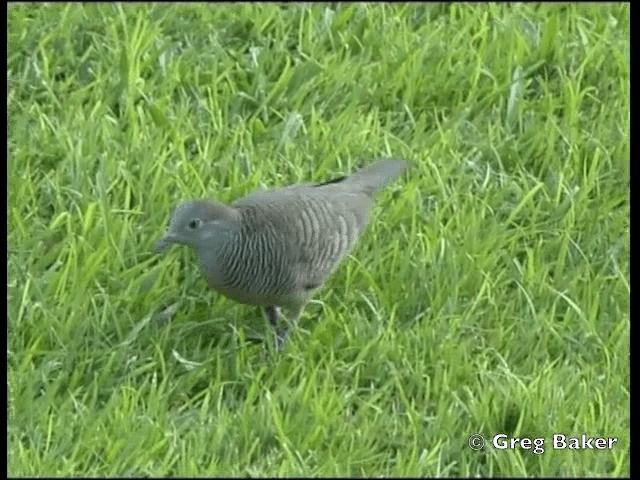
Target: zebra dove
{"type": "Point", "coordinates": [276, 248]}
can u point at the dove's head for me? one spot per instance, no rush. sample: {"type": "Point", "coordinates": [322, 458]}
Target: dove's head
{"type": "Point", "coordinates": [201, 224]}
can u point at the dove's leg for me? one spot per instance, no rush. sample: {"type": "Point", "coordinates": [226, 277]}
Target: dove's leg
{"type": "Point", "coordinates": [273, 316]}
{"type": "Point", "coordinates": [291, 319]}
{"type": "Point", "coordinates": [281, 324]}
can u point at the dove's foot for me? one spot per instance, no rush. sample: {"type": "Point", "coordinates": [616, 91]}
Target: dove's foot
{"type": "Point", "coordinates": [275, 319]}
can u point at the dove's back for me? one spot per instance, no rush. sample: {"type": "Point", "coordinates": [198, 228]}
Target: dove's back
{"type": "Point", "coordinates": [292, 238]}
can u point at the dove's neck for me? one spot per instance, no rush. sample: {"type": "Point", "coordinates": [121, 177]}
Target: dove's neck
{"type": "Point", "coordinates": [214, 254]}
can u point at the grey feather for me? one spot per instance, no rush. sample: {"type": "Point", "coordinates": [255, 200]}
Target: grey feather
{"type": "Point", "coordinates": [275, 248]}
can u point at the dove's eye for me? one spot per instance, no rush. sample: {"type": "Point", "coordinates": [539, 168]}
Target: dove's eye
{"type": "Point", "coordinates": [193, 224]}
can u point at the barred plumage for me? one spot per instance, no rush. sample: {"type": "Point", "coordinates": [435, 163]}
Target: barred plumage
{"type": "Point", "coordinates": [275, 248]}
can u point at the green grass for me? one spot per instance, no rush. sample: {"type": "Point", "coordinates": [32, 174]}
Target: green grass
{"type": "Point", "coordinates": [489, 294]}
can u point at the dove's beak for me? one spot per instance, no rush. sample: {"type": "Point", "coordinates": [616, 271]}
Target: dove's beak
{"type": "Point", "coordinates": [163, 243]}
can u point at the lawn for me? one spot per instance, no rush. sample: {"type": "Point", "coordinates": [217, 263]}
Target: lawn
{"type": "Point", "coordinates": [490, 293]}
